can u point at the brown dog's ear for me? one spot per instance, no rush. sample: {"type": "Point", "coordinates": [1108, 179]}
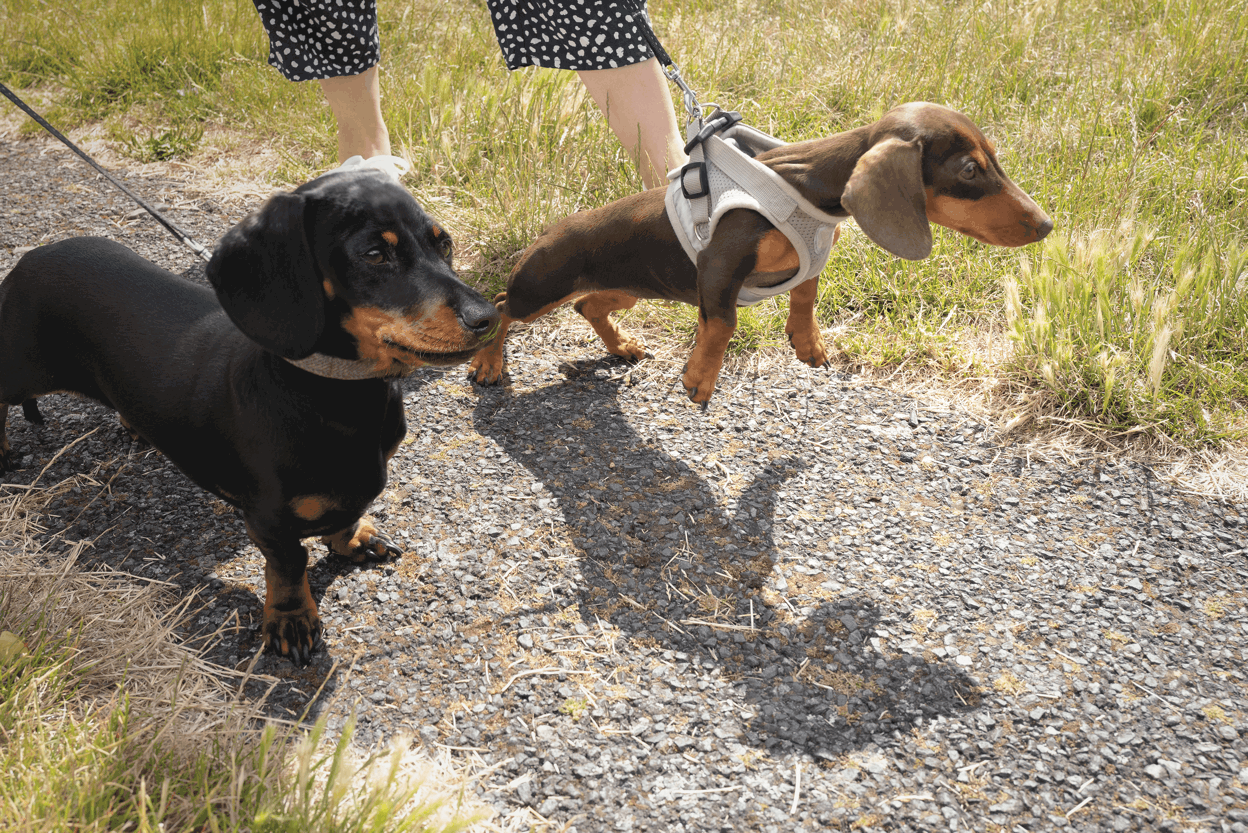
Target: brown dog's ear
{"type": "Point", "coordinates": [266, 280]}
{"type": "Point", "coordinates": [885, 196]}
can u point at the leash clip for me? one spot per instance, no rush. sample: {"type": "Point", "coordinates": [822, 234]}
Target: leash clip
{"type": "Point", "coordinates": [692, 107]}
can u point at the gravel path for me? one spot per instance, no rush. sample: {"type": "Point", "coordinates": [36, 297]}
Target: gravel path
{"type": "Point", "coordinates": [817, 605]}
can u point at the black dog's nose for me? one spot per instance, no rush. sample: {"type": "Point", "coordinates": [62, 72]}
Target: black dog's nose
{"type": "Point", "coordinates": [478, 318]}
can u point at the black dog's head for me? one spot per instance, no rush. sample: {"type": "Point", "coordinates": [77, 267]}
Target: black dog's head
{"type": "Point", "coordinates": [350, 265]}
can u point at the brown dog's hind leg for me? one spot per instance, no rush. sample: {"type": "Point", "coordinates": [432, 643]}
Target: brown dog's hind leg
{"type": "Point", "coordinates": [597, 308]}
{"type": "Point", "coordinates": [801, 327]}
{"type": "Point", "coordinates": [361, 542]}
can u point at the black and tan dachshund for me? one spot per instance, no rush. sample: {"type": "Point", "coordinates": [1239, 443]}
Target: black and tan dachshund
{"type": "Point", "coordinates": [346, 275]}
{"type": "Point", "coordinates": [920, 163]}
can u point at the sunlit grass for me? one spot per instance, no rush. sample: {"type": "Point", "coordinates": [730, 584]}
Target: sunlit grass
{"type": "Point", "coordinates": [1111, 113]}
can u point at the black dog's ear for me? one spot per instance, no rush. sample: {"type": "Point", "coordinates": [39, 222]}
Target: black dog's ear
{"type": "Point", "coordinates": [885, 196]}
{"type": "Point", "coordinates": [266, 279]}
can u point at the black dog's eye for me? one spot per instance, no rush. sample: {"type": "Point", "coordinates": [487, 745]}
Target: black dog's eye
{"type": "Point", "coordinates": [375, 256]}
{"type": "Point", "coordinates": [969, 171]}
{"type": "Point", "coordinates": [444, 247]}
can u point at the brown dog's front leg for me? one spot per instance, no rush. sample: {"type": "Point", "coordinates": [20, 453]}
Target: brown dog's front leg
{"type": "Point", "coordinates": [291, 626]}
{"type": "Point", "coordinates": [487, 365]}
{"type": "Point", "coordinates": [723, 267]}
{"type": "Point", "coordinates": [702, 369]}
{"type": "Point", "coordinates": [801, 327]}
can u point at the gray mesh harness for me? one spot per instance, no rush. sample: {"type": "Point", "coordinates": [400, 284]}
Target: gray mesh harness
{"type": "Point", "coordinates": [722, 174]}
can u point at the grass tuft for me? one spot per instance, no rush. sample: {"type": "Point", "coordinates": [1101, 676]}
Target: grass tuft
{"type": "Point", "coordinates": [109, 722]}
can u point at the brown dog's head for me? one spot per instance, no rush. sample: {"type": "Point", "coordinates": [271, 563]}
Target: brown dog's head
{"type": "Point", "coordinates": [927, 163]}
{"type": "Point", "coordinates": [349, 265]}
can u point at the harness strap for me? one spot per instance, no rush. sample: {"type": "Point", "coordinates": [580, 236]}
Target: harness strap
{"type": "Point", "coordinates": [723, 175]}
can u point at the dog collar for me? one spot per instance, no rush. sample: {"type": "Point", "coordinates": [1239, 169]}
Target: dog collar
{"type": "Point", "coordinates": [332, 367]}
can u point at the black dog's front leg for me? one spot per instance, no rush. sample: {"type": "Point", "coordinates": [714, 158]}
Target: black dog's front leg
{"type": "Point", "coordinates": [292, 625]}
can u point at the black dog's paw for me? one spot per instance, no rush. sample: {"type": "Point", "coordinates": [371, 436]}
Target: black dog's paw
{"type": "Point", "coordinates": [30, 410]}
{"type": "Point", "coordinates": [362, 542]}
{"type": "Point", "coordinates": [381, 547]}
{"type": "Point", "coordinates": [295, 635]}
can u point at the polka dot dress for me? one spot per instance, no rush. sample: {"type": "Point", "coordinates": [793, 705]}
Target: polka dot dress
{"type": "Point", "coordinates": [569, 34]}
{"type": "Point", "coordinates": [320, 38]}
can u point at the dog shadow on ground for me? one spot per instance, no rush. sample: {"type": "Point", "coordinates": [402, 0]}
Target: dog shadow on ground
{"type": "Point", "coordinates": [665, 560]}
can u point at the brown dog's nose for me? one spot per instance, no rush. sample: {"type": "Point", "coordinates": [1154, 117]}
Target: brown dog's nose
{"type": "Point", "coordinates": [1042, 230]}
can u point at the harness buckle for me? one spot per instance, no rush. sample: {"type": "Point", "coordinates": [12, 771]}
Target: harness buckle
{"type": "Point", "coordinates": [704, 184]}
{"type": "Point", "coordinates": [720, 120]}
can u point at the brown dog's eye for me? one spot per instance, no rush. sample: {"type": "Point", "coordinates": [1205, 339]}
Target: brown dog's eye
{"type": "Point", "coordinates": [374, 256]}
{"type": "Point", "coordinates": [445, 247]}
{"type": "Point", "coordinates": [969, 171]}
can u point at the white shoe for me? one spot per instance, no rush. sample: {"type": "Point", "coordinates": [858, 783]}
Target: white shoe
{"type": "Point", "coordinates": [395, 166]}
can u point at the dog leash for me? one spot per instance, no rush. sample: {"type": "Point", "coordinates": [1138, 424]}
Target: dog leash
{"type": "Point", "coordinates": [185, 238]}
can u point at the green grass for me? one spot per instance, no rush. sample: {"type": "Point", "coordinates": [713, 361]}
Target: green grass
{"type": "Point", "coordinates": [1112, 114]}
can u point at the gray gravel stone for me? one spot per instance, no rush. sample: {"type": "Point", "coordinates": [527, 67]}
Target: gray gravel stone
{"type": "Point", "coordinates": [650, 618]}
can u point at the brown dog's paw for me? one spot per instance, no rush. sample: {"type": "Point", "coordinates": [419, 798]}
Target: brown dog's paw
{"type": "Point", "coordinates": [292, 626]}
{"type": "Point", "coordinates": [810, 348]}
{"type": "Point", "coordinates": [697, 385]}
{"type": "Point", "coordinates": [361, 543]}
{"type": "Point", "coordinates": [629, 348]}
{"type": "Point", "coordinates": [486, 369]}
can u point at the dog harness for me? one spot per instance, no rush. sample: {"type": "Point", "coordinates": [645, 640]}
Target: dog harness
{"type": "Point", "coordinates": [721, 175]}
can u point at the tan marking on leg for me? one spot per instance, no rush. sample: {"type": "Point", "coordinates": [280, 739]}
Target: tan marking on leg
{"type": "Point", "coordinates": [390, 237]}
{"type": "Point", "coordinates": [801, 326]}
{"type": "Point", "coordinates": [597, 307]}
{"type": "Point", "coordinates": [134, 435]}
{"type": "Point", "coordinates": [329, 289]}
{"type": "Point", "coordinates": [775, 253]}
{"type": "Point", "coordinates": [311, 507]}
{"type": "Point", "coordinates": [290, 613]}
{"type": "Point", "coordinates": [707, 358]}
{"type": "Point", "coordinates": [355, 542]}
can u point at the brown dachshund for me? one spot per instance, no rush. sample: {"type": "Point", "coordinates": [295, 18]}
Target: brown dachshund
{"type": "Point", "coordinates": [920, 163]}
{"type": "Point", "coordinates": [276, 394]}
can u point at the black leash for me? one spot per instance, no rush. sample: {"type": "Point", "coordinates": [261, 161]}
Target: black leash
{"type": "Point", "coordinates": [669, 66]}
{"type": "Point", "coordinates": [186, 239]}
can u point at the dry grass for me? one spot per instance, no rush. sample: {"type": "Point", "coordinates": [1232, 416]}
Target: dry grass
{"type": "Point", "coordinates": [106, 715]}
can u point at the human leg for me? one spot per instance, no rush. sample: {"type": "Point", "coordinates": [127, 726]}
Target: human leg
{"type": "Point", "coordinates": [356, 103]}
{"type": "Point", "coordinates": [637, 103]}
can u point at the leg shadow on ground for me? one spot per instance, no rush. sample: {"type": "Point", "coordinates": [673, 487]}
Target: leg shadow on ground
{"type": "Point", "coordinates": [666, 561]}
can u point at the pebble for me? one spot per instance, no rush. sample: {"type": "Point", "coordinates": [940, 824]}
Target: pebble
{"type": "Point", "coordinates": [644, 618]}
